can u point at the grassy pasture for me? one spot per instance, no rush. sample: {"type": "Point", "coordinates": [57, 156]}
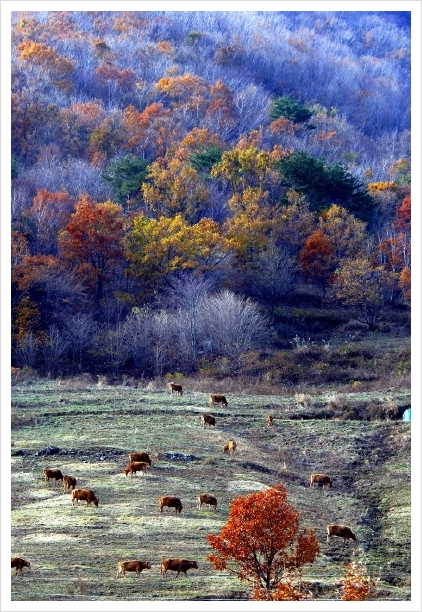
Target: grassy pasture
{"type": "Point", "coordinates": [74, 550]}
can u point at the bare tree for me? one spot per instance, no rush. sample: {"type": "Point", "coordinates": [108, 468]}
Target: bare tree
{"type": "Point", "coordinates": [233, 325]}
{"type": "Point", "coordinates": [53, 348]}
{"type": "Point", "coordinates": [26, 351]}
{"type": "Point", "coordinates": [111, 346]}
{"type": "Point", "coordinates": [80, 330]}
{"type": "Point", "coordinates": [138, 328]}
{"type": "Point", "coordinates": [163, 341]}
{"type": "Point", "coordinates": [187, 297]}
{"type": "Point", "coordinates": [273, 277]}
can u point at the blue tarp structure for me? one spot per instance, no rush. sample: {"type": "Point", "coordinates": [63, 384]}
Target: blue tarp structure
{"type": "Point", "coordinates": [407, 416]}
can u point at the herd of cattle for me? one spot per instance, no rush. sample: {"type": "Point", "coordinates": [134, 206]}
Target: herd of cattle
{"type": "Point", "coordinates": [140, 462]}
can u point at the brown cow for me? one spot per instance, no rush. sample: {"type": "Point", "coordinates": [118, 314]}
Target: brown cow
{"type": "Point", "coordinates": [230, 447]}
{"type": "Point", "coordinates": [15, 372]}
{"type": "Point", "coordinates": [84, 495]}
{"type": "Point", "coordinates": [175, 388]}
{"type": "Point", "coordinates": [342, 531]}
{"type": "Point", "coordinates": [177, 565]}
{"type": "Point", "coordinates": [136, 466]}
{"type": "Point", "coordinates": [170, 502]}
{"type": "Point", "coordinates": [205, 498]}
{"type": "Point", "coordinates": [132, 566]}
{"type": "Point", "coordinates": [19, 563]}
{"type": "Point", "coordinates": [54, 474]}
{"type": "Point", "coordinates": [269, 419]}
{"type": "Point", "coordinates": [69, 482]}
{"type": "Point", "coordinates": [218, 399]}
{"type": "Point", "coordinates": [140, 457]}
{"type": "Point", "coordinates": [207, 419]}
{"type": "Point", "coordinates": [320, 479]}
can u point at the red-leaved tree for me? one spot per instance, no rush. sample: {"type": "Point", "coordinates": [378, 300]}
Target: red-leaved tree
{"type": "Point", "coordinates": [262, 543]}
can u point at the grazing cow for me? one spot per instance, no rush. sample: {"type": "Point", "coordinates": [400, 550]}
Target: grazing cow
{"type": "Point", "coordinates": [136, 466]}
{"type": "Point", "coordinates": [342, 531]}
{"type": "Point", "coordinates": [54, 474]}
{"type": "Point", "coordinates": [218, 399]}
{"type": "Point", "coordinates": [15, 372]}
{"type": "Point", "coordinates": [132, 566]}
{"type": "Point", "coordinates": [320, 479]}
{"type": "Point", "coordinates": [140, 457]}
{"type": "Point", "coordinates": [269, 419]}
{"type": "Point", "coordinates": [170, 502]}
{"type": "Point", "coordinates": [84, 495]}
{"type": "Point", "coordinates": [204, 498]}
{"type": "Point", "coordinates": [207, 419]}
{"type": "Point", "coordinates": [69, 482]}
{"type": "Point", "coordinates": [174, 388]}
{"type": "Point", "coordinates": [177, 565]}
{"type": "Point", "coordinates": [230, 447]}
{"type": "Point", "coordinates": [19, 563]}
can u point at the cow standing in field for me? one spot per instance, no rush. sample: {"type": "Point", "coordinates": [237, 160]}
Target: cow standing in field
{"type": "Point", "coordinates": [269, 420]}
{"type": "Point", "coordinates": [177, 565]}
{"type": "Point", "coordinates": [342, 531]}
{"type": "Point", "coordinates": [136, 466]}
{"type": "Point", "coordinates": [205, 498]}
{"type": "Point", "coordinates": [84, 495]}
{"type": "Point", "coordinates": [19, 563]}
{"type": "Point", "coordinates": [218, 399]}
{"type": "Point", "coordinates": [320, 479]}
{"type": "Point", "coordinates": [230, 447]}
{"type": "Point", "coordinates": [53, 474]}
{"type": "Point", "coordinates": [69, 482]}
{"type": "Point", "coordinates": [175, 388]}
{"type": "Point", "coordinates": [132, 566]}
{"type": "Point", "coordinates": [140, 457]}
{"type": "Point", "coordinates": [207, 419]}
{"type": "Point", "coordinates": [171, 502]}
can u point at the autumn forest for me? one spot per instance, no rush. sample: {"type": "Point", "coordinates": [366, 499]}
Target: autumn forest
{"type": "Point", "coordinates": [181, 181]}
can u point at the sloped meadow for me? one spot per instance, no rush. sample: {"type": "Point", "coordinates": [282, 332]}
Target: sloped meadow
{"type": "Point", "coordinates": [89, 430]}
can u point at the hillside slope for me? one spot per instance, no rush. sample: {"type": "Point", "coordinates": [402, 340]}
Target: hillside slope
{"type": "Point", "coordinates": [74, 550]}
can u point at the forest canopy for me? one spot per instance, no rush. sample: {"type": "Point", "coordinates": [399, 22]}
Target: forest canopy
{"type": "Point", "coordinates": [237, 160]}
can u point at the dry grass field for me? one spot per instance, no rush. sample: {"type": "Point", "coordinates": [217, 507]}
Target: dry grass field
{"type": "Point", "coordinates": [74, 551]}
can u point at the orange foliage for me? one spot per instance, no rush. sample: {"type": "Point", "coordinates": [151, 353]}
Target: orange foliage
{"type": "Point", "coordinates": [197, 139]}
{"type": "Point", "coordinates": [124, 78]}
{"type": "Point", "coordinates": [19, 248]}
{"type": "Point", "coordinates": [356, 586]}
{"type": "Point", "coordinates": [59, 69]}
{"type": "Point", "coordinates": [403, 215]}
{"type": "Point", "coordinates": [405, 283]}
{"type": "Point", "coordinates": [282, 126]}
{"type": "Point", "coordinates": [50, 212]}
{"type": "Point", "coordinates": [26, 318]}
{"type": "Point", "coordinates": [150, 129]}
{"type": "Point", "coordinates": [316, 259]}
{"type": "Point", "coordinates": [92, 239]}
{"type": "Point", "coordinates": [165, 47]}
{"type": "Point", "coordinates": [395, 252]}
{"type": "Point", "coordinates": [262, 543]}
{"type": "Point", "coordinates": [382, 186]}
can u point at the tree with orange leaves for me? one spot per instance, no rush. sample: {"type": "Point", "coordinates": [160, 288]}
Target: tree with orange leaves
{"type": "Point", "coordinates": [356, 585]}
{"type": "Point", "coordinates": [262, 544]}
{"type": "Point", "coordinates": [317, 260]}
{"type": "Point", "coordinates": [92, 241]}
